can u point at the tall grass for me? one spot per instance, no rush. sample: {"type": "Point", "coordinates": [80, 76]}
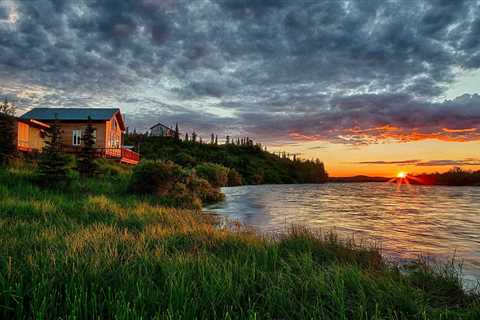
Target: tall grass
{"type": "Point", "coordinates": [95, 252]}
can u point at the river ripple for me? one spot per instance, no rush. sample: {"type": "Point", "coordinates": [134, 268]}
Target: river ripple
{"type": "Point", "coordinates": [405, 221]}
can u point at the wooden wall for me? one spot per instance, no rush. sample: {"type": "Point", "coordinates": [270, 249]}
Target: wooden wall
{"type": "Point", "coordinates": [23, 133]}
{"type": "Point", "coordinates": [35, 139]}
{"type": "Point", "coordinates": [68, 127]}
{"type": "Point", "coordinates": [113, 134]}
{"type": "Point", "coordinates": [29, 137]}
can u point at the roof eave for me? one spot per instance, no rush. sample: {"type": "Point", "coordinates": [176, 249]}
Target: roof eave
{"type": "Point", "coordinates": [120, 120]}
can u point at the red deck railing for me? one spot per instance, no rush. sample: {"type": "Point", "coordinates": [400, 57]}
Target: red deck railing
{"type": "Point", "coordinates": [122, 154]}
{"type": "Point", "coordinates": [130, 155]}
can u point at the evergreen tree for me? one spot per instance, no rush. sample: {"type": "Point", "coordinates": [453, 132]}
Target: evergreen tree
{"type": "Point", "coordinates": [216, 139]}
{"type": "Point", "coordinates": [86, 163]}
{"type": "Point", "coordinates": [212, 139]}
{"type": "Point", "coordinates": [186, 136]}
{"type": "Point", "coordinates": [177, 132]}
{"type": "Point", "coordinates": [194, 137]}
{"type": "Point", "coordinates": [227, 140]}
{"type": "Point", "coordinates": [53, 165]}
{"type": "Point", "coordinates": [8, 132]}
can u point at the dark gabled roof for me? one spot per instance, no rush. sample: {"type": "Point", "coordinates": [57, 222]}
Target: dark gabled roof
{"type": "Point", "coordinates": [160, 125]}
{"type": "Point", "coordinates": [74, 114]}
{"type": "Point", "coordinates": [70, 113]}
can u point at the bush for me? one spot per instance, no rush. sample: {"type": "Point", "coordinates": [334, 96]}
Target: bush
{"type": "Point", "coordinates": [177, 187]}
{"type": "Point", "coordinates": [112, 168]}
{"type": "Point", "coordinates": [156, 177]}
{"type": "Point", "coordinates": [234, 178]}
{"type": "Point", "coordinates": [205, 191]}
{"type": "Point", "coordinates": [185, 159]}
{"type": "Point", "coordinates": [215, 174]}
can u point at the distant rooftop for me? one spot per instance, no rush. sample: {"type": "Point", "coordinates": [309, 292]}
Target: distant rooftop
{"type": "Point", "coordinates": [70, 114]}
{"type": "Point", "coordinates": [160, 125]}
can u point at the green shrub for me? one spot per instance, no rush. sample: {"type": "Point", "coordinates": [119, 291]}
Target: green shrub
{"type": "Point", "coordinates": [175, 185]}
{"type": "Point", "coordinates": [234, 178]}
{"type": "Point", "coordinates": [205, 191]}
{"type": "Point", "coordinates": [156, 177]}
{"type": "Point", "coordinates": [215, 174]}
{"type": "Point", "coordinates": [112, 168]}
{"type": "Point", "coordinates": [185, 159]}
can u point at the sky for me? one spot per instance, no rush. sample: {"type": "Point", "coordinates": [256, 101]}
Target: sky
{"type": "Point", "coordinates": [369, 87]}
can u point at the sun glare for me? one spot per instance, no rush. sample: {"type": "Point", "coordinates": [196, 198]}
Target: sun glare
{"type": "Point", "coordinates": [402, 175]}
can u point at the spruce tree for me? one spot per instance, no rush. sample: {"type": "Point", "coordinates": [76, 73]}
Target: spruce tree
{"type": "Point", "coordinates": [8, 132]}
{"type": "Point", "coordinates": [86, 163]}
{"type": "Point", "coordinates": [53, 165]}
{"type": "Point", "coordinates": [177, 132]}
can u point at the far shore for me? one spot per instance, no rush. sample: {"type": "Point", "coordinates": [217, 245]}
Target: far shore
{"type": "Point", "coordinates": [359, 178]}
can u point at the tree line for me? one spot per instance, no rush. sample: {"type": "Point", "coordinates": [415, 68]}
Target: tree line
{"type": "Point", "coordinates": [250, 160]}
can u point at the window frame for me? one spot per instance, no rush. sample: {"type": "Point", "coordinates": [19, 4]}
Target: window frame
{"type": "Point", "coordinates": [76, 137]}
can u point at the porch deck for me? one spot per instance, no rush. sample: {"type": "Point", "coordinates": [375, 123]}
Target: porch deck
{"type": "Point", "coordinates": [121, 154]}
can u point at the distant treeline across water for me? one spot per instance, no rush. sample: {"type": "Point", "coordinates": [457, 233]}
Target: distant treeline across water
{"type": "Point", "coordinates": [454, 177]}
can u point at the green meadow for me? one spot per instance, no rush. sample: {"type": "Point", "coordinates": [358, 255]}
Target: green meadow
{"type": "Point", "coordinates": [94, 251]}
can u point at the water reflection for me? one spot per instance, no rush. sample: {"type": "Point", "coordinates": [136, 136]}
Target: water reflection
{"type": "Point", "coordinates": [406, 221]}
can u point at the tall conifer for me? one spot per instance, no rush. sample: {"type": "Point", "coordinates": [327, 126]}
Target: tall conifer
{"type": "Point", "coordinates": [8, 132]}
{"type": "Point", "coordinates": [86, 163]}
{"type": "Point", "coordinates": [53, 165]}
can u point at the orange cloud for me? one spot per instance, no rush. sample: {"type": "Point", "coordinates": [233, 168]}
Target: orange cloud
{"type": "Point", "coordinates": [459, 130]}
{"type": "Point", "coordinates": [390, 133]}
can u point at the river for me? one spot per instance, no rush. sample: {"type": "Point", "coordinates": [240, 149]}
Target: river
{"type": "Point", "coordinates": [405, 221]}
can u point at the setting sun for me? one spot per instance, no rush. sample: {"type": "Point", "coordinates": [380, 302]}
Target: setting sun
{"type": "Point", "coordinates": [402, 175]}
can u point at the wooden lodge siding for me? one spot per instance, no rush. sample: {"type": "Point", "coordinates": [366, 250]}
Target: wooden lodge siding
{"type": "Point", "coordinates": [29, 137]}
{"type": "Point", "coordinates": [23, 133]}
{"type": "Point", "coordinates": [68, 127]}
{"type": "Point", "coordinates": [113, 133]}
{"type": "Point", "coordinates": [35, 138]}
{"type": "Point", "coordinates": [106, 135]}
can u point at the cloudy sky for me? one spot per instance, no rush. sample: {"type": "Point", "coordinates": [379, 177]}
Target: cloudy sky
{"type": "Point", "coordinates": [368, 86]}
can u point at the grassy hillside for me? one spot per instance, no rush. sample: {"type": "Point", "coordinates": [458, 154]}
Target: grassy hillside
{"type": "Point", "coordinates": [95, 252]}
{"type": "Point", "coordinates": [254, 165]}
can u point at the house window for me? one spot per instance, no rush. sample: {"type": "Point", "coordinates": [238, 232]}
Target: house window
{"type": "Point", "coordinates": [76, 137]}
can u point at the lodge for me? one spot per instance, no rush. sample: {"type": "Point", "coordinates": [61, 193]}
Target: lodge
{"type": "Point", "coordinates": [161, 130]}
{"type": "Point", "coordinates": [108, 123]}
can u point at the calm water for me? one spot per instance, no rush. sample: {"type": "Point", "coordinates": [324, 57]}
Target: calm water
{"type": "Point", "coordinates": [406, 221]}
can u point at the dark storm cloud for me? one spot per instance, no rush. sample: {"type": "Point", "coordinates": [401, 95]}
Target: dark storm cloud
{"type": "Point", "coordinates": [354, 72]}
{"type": "Point", "coordinates": [3, 13]}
